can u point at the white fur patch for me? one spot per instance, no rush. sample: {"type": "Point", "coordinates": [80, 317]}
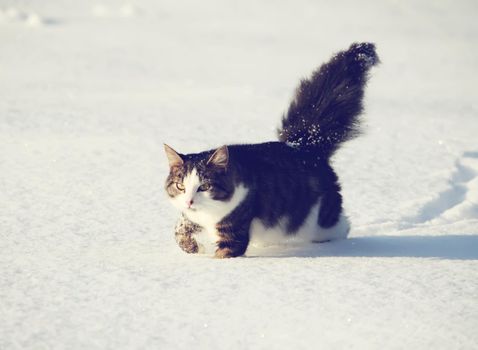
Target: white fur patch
{"type": "Point", "coordinates": [206, 241]}
{"type": "Point", "coordinates": [206, 211]}
{"type": "Point", "coordinates": [310, 231]}
{"type": "Point", "coordinates": [191, 184]}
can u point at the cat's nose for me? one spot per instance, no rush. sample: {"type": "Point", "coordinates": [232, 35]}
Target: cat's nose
{"type": "Point", "coordinates": [189, 203]}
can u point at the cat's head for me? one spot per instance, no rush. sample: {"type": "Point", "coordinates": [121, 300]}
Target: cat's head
{"type": "Point", "coordinates": [198, 182]}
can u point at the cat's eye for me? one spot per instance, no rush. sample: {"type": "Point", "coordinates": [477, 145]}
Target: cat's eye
{"type": "Point", "coordinates": [204, 187]}
{"type": "Point", "coordinates": [179, 186]}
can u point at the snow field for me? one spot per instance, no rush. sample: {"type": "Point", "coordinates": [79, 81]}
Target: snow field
{"type": "Point", "coordinates": [92, 90]}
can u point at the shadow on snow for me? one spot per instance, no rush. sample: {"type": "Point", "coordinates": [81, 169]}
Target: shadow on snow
{"type": "Point", "coordinates": [460, 247]}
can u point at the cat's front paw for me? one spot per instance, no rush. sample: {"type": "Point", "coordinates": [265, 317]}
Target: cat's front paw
{"type": "Point", "coordinates": [230, 252]}
{"type": "Point", "coordinates": [189, 245]}
{"type": "Point", "coordinates": [224, 253]}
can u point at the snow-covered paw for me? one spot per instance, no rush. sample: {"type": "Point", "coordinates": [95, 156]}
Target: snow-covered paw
{"type": "Point", "coordinates": [189, 245]}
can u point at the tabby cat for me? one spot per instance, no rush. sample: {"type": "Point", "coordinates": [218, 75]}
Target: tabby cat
{"type": "Point", "coordinates": [285, 189]}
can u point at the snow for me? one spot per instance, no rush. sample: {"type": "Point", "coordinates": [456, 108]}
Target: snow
{"type": "Point", "coordinates": [91, 90]}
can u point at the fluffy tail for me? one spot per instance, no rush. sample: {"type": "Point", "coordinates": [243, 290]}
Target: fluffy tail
{"type": "Point", "coordinates": [325, 110]}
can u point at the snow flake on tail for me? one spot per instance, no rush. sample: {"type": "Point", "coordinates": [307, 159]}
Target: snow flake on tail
{"type": "Point", "coordinates": [365, 54]}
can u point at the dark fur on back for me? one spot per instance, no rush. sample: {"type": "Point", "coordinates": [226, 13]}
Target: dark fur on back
{"type": "Point", "coordinates": [326, 107]}
{"type": "Point", "coordinates": [284, 179]}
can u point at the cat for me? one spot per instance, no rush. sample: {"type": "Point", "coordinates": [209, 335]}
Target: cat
{"type": "Point", "coordinates": [288, 188]}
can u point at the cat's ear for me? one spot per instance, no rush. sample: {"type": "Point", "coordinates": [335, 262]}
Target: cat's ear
{"type": "Point", "coordinates": [220, 158]}
{"type": "Point", "coordinates": [173, 157]}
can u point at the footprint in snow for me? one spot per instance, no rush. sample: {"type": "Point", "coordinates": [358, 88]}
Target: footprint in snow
{"type": "Point", "coordinates": [459, 201]}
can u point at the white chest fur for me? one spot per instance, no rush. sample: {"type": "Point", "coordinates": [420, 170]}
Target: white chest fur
{"type": "Point", "coordinates": [209, 211]}
{"type": "Point", "coordinates": [205, 211]}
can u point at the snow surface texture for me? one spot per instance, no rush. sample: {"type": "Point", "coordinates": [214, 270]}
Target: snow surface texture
{"type": "Point", "coordinates": [90, 91]}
